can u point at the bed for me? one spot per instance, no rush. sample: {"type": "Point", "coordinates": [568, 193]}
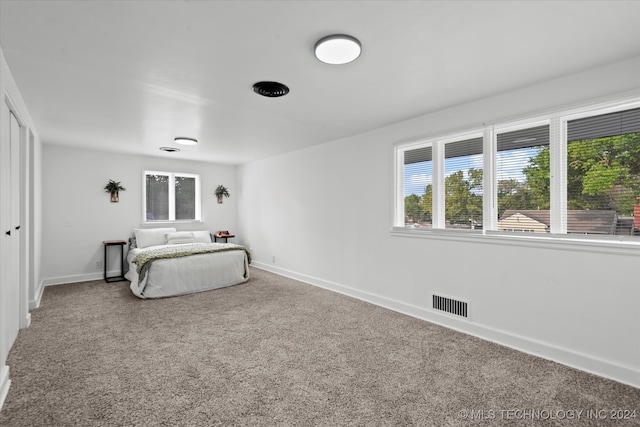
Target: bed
{"type": "Point", "coordinates": [164, 262]}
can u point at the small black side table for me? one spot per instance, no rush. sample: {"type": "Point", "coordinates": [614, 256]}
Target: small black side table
{"type": "Point", "coordinates": [120, 243]}
{"type": "Point", "coordinates": [223, 236]}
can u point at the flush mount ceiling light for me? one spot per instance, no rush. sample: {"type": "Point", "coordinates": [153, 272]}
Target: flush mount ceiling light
{"type": "Point", "coordinates": [169, 149]}
{"type": "Point", "coordinates": [186, 141]}
{"type": "Point", "coordinates": [270, 89]}
{"type": "Point", "coordinates": [338, 49]}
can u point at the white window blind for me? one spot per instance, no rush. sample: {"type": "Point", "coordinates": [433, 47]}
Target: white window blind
{"type": "Point", "coordinates": [575, 171]}
{"type": "Point", "coordinates": [171, 196]}
{"type": "Point", "coordinates": [463, 184]}
{"type": "Point", "coordinates": [523, 180]}
{"type": "Point", "coordinates": [603, 173]}
{"type": "Point", "coordinates": [157, 197]}
{"type": "Point", "coordinates": [418, 187]}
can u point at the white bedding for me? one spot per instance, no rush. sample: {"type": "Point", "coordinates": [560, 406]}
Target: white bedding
{"type": "Point", "coordinates": [184, 275]}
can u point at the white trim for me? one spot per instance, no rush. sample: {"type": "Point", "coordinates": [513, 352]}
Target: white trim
{"type": "Point", "coordinates": [522, 124]}
{"type": "Point", "coordinates": [398, 207]}
{"type": "Point", "coordinates": [489, 181]}
{"type": "Point", "coordinates": [90, 277]}
{"type": "Point", "coordinates": [558, 180]}
{"type": "Point", "coordinates": [566, 242]}
{"type": "Point", "coordinates": [599, 108]}
{"type": "Point", "coordinates": [461, 136]}
{"type": "Point", "coordinates": [166, 223]}
{"type": "Point", "coordinates": [604, 368]}
{"type": "Point", "coordinates": [437, 189]}
{"type": "Point", "coordinates": [5, 383]}
{"type": "Point", "coordinates": [35, 303]}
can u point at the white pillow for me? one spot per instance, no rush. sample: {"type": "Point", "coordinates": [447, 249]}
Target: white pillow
{"type": "Point", "coordinates": [203, 236]}
{"type": "Point", "coordinates": [179, 237]}
{"type": "Point", "coordinates": [151, 236]}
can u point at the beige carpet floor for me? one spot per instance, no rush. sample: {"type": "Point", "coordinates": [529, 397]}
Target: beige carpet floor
{"type": "Point", "coordinates": [274, 352]}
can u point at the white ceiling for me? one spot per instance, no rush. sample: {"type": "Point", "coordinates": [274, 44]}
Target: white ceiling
{"type": "Point", "coordinates": [130, 76]}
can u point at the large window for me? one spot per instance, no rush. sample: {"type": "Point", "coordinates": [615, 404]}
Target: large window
{"type": "Point", "coordinates": [171, 196]}
{"type": "Point", "coordinates": [574, 172]}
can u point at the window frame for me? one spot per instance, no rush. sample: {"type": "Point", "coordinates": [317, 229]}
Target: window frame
{"type": "Point", "coordinates": [558, 123]}
{"type": "Point", "coordinates": [171, 197]}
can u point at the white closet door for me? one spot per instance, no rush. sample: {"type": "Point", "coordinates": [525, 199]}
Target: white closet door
{"type": "Point", "coordinates": [10, 292]}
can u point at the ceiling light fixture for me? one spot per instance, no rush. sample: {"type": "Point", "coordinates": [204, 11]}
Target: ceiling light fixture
{"type": "Point", "coordinates": [338, 49]}
{"type": "Point", "coordinates": [186, 141]}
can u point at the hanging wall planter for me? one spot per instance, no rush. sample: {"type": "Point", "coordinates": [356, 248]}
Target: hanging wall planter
{"type": "Point", "coordinates": [221, 191]}
{"type": "Point", "coordinates": [114, 188]}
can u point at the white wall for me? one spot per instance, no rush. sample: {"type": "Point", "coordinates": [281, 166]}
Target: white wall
{"type": "Point", "coordinates": [78, 214]}
{"type": "Point", "coordinates": [325, 214]}
{"type": "Point", "coordinates": [15, 297]}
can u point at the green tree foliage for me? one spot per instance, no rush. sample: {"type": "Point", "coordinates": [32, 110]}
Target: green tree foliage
{"type": "Point", "coordinates": [413, 208]}
{"type": "Point", "coordinates": [512, 194]}
{"type": "Point", "coordinates": [604, 173]}
{"type": "Point", "coordinates": [427, 203]}
{"type": "Point", "coordinates": [463, 197]}
{"type": "Point", "coordinates": [538, 181]}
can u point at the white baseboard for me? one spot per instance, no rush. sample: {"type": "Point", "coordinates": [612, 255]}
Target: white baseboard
{"type": "Point", "coordinates": [35, 303]}
{"type": "Point", "coordinates": [584, 362]}
{"type": "Point", "coordinates": [78, 278]}
{"type": "Point", "coordinates": [5, 383]}
{"type": "Point", "coordinates": [27, 321]}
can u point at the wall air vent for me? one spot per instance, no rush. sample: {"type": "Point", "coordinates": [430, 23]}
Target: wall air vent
{"type": "Point", "coordinates": [270, 89]}
{"type": "Point", "coordinates": [449, 305]}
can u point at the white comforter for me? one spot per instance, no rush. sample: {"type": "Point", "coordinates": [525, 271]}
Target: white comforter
{"type": "Point", "coordinates": [184, 275]}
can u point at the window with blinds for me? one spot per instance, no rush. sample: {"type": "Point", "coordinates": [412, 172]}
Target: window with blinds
{"type": "Point", "coordinates": [171, 196]}
{"type": "Point", "coordinates": [584, 181]}
{"type": "Point", "coordinates": [463, 184]}
{"type": "Point", "coordinates": [418, 187]}
{"type": "Point", "coordinates": [603, 174]}
{"type": "Point", "coordinates": [523, 180]}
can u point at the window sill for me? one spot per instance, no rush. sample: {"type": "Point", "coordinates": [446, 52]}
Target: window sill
{"type": "Point", "coordinates": [617, 246]}
{"type": "Point", "coordinates": [162, 223]}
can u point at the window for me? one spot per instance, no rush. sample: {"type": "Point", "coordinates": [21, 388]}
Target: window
{"type": "Point", "coordinates": [523, 179]}
{"type": "Point", "coordinates": [171, 196]}
{"type": "Point", "coordinates": [572, 172]}
{"type": "Point", "coordinates": [463, 184]}
{"type": "Point", "coordinates": [418, 186]}
{"type": "Point", "coordinates": [603, 173]}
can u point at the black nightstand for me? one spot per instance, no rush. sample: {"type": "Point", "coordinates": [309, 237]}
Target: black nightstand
{"type": "Point", "coordinates": [224, 236]}
{"type": "Point", "coordinates": [120, 243]}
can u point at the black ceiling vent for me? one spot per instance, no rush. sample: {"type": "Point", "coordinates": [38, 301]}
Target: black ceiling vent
{"type": "Point", "coordinates": [169, 149]}
{"type": "Point", "coordinates": [270, 89]}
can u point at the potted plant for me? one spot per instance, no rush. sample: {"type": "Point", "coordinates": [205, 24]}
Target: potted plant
{"type": "Point", "coordinates": [114, 188]}
{"type": "Point", "coordinates": [221, 191]}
